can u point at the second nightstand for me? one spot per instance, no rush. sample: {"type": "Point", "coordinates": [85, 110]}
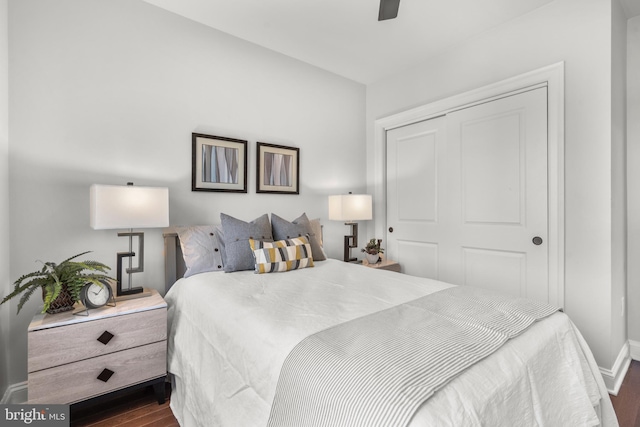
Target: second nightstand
{"type": "Point", "coordinates": [75, 358]}
{"type": "Point", "coordinates": [385, 264]}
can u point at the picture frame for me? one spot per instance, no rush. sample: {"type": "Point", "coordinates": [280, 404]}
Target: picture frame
{"type": "Point", "coordinates": [277, 169]}
{"type": "Point", "coordinates": [218, 163]}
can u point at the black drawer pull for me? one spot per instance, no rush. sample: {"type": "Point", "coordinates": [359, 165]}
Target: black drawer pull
{"type": "Point", "coordinates": [105, 337]}
{"type": "Point", "coordinates": [105, 375]}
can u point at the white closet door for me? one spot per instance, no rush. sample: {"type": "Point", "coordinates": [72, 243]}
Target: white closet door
{"type": "Point", "coordinates": [475, 212]}
{"type": "Point", "coordinates": [414, 180]}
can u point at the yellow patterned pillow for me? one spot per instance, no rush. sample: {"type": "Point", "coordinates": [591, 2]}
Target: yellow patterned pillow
{"type": "Point", "coordinates": [283, 255]}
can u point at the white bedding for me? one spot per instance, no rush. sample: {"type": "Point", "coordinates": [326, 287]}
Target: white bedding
{"type": "Point", "coordinates": [230, 333]}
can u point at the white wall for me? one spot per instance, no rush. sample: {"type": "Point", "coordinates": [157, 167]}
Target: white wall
{"type": "Point", "coordinates": [619, 334]}
{"type": "Point", "coordinates": [109, 91]}
{"type": "Point", "coordinates": [4, 197]}
{"type": "Point", "coordinates": [577, 32]}
{"type": "Point", "coordinates": [633, 178]}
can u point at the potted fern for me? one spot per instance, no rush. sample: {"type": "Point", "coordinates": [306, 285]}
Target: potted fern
{"type": "Point", "coordinates": [60, 283]}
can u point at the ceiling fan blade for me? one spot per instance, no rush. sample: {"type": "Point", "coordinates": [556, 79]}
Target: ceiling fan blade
{"type": "Point", "coordinates": [388, 9]}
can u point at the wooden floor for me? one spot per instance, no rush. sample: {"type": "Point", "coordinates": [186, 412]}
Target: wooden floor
{"type": "Point", "coordinates": [135, 409]}
{"type": "Point", "coordinates": [140, 408]}
{"type": "Point", "coordinates": [627, 402]}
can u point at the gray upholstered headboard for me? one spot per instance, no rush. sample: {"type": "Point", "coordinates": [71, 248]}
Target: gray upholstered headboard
{"type": "Point", "coordinates": [174, 266]}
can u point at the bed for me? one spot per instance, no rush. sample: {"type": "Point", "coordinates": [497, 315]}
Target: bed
{"type": "Point", "coordinates": [231, 336]}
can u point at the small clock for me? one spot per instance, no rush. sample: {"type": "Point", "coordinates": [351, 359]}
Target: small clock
{"type": "Point", "coordinates": [94, 296]}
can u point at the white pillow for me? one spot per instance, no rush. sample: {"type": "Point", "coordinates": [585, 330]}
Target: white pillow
{"type": "Point", "coordinates": [201, 249]}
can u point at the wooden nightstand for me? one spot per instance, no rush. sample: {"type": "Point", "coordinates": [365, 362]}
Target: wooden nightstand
{"type": "Point", "coordinates": [75, 358]}
{"type": "Point", "coordinates": [385, 264]}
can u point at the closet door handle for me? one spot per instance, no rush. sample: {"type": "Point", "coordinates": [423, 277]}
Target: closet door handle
{"type": "Point", "coordinates": [390, 229]}
{"type": "Point", "coordinates": [537, 240]}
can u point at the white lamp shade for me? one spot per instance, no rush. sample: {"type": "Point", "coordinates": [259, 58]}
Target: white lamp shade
{"type": "Point", "coordinates": [350, 207]}
{"type": "Point", "coordinates": [120, 207]}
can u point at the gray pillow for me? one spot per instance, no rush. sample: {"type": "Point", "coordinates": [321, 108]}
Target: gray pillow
{"type": "Point", "coordinates": [220, 234]}
{"type": "Point", "coordinates": [236, 234]}
{"type": "Point", "coordinates": [200, 249]}
{"type": "Point", "coordinates": [301, 226]}
{"type": "Point", "coordinates": [316, 226]}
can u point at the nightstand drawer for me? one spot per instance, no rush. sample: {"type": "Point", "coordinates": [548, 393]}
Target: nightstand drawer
{"type": "Point", "coordinates": [78, 381]}
{"type": "Point", "coordinates": [71, 343]}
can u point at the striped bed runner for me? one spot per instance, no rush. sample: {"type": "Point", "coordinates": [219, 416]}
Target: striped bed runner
{"type": "Point", "coordinates": [378, 369]}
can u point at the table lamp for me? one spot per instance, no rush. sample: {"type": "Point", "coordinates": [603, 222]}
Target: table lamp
{"type": "Point", "coordinates": [129, 207]}
{"type": "Point", "coordinates": [350, 208]}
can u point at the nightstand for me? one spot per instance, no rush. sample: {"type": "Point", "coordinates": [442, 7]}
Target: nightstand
{"type": "Point", "coordinates": [385, 264]}
{"type": "Point", "coordinates": [72, 358]}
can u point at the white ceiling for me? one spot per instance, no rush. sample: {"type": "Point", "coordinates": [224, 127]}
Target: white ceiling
{"type": "Point", "coordinates": [345, 37]}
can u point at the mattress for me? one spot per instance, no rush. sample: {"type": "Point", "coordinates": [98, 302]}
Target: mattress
{"type": "Point", "coordinates": [229, 334]}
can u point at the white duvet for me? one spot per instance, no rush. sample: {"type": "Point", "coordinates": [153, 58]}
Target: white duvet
{"type": "Point", "coordinates": [229, 334]}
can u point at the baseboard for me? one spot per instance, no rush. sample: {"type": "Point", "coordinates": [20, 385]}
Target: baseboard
{"type": "Point", "coordinates": [613, 377]}
{"type": "Point", "coordinates": [15, 394]}
{"type": "Point", "coordinates": [635, 349]}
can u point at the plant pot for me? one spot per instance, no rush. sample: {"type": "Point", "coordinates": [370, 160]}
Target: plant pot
{"type": "Point", "coordinates": [372, 258]}
{"type": "Point", "coordinates": [63, 302]}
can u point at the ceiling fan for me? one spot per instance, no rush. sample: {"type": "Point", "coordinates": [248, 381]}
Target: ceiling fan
{"type": "Point", "coordinates": [388, 9]}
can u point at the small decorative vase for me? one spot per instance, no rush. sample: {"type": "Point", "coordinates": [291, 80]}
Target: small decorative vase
{"type": "Point", "coordinates": [372, 258]}
{"type": "Point", "coordinates": [63, 302]}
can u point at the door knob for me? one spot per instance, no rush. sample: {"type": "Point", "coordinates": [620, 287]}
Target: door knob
{"type": "Point", "coordinates": [390, 229]}
{"type": "Point", "coordinates": [537, 240]}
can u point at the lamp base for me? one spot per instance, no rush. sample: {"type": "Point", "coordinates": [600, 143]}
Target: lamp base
{"type": "Point", "coordinates": [133, 293]}
{"type": "Point", "coordinates": [350, 241]}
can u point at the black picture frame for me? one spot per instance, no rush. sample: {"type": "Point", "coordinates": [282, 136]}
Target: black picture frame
{"type": "Point", "coordinates": [277, 169]}
{"type": "Point", "coordinates": [210, 151]}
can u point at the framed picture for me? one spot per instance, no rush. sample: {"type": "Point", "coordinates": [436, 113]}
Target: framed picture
{"type": "Point", "coordinates": [218, 163]}
{"type": "Point", "coordinates": [278, 169]}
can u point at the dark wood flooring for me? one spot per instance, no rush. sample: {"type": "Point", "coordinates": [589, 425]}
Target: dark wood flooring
{"type": "Point", "coordinates": [627, 402]}
{"type": "Point", "coordinates": [140, 408]}
{"type": "Point", "coordinates": [136, 408]}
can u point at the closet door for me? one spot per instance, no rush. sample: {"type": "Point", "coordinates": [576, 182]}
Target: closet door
{"type": "Point", "coordinates": [415, 155]}
{"type": "Point", "coordinates": [488, 204]}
